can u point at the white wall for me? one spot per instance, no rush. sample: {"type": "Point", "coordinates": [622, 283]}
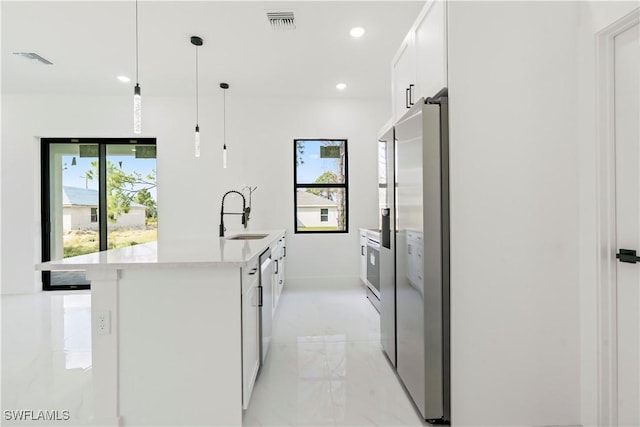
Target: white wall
{"type": "Point", "coordinates": [514, 213]}
{"type": "Point", "coordinates": [594, 16]}
{"type": "Point", "coordinates": [260, 133]}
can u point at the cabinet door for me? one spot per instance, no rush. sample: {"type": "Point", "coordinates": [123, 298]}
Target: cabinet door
{"type": "Point", "coordinates": [403, 72]}
{"type": "Point", "coordinates": [431, 48]}
{"type": "Point", "coordinates": [250, 342]}
{"type": "Point", "coordinates": [275, 289]}
{"type": "Point", "coordinates": [283, 256]}
{"type": "Point", "coordinates": [363, 258]}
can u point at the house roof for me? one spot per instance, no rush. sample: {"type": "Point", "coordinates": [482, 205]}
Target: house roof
{"type": "Point", "coordinates": [75, 196]}
{"type": "Point", "coordinates": [309, 199]}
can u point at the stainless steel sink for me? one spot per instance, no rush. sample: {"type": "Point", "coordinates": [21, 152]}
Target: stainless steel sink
{"type": "Point", "coordinates": [247, 237]}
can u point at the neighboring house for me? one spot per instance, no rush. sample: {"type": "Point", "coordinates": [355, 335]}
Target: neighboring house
{"type": "Point", "coordinates": [316, 211]}
{"type": "Point", "coordinates": [80, 211]}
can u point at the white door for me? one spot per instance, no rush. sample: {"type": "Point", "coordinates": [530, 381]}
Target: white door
{"type": "Point", "coordinates": [627, 143]}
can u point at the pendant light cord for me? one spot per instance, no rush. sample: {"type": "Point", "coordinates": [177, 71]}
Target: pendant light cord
{"type": "Point", "coordinates": [197, 116]}
{"type": "Point", "coordinates": [137, 42]}
{"type": "Point", "coordinates": [224, 117]}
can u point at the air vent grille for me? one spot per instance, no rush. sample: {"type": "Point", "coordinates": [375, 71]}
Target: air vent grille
{"type": "Point", "coordinates": [282, 20]}
{"type": "Point", "coordinates": [33, 56]}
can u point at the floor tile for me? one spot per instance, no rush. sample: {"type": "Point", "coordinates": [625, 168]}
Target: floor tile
{"type": "Point", "coordinates": [341, 328]}
{"type": "Point", "coordinates": [325, 366]}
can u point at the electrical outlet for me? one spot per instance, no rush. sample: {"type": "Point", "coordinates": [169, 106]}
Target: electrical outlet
{"type": "Point", "coordinates": [102, 322]}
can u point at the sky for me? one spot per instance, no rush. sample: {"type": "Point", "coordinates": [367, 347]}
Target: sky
{"type": "Point", "coordinates": [74, 176]}
{"type": "Point", "coordinates": [313, 166]}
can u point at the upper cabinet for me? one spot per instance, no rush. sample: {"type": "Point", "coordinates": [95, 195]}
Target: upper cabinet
{"type": "Point", "coordinates": [419, 69]}
{"type": "Point", "coordinates": [431, 48]}
{"type": "Point", "coordinates": [403, 72]}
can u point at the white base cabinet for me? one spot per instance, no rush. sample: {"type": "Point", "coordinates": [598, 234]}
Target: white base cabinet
{"type": "Point", "coordinates": [279, 254]}
{"type": "Point", "coordinates": [363, 256]}
{"type": "Point", "coordinates": [250, 331]}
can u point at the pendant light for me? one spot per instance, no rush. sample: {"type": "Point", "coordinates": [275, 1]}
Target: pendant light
{"type": "Point", "coordinates": [197, 41]}
{"type": "Point", "coordinates": [224, 87]}
{"type": "Point", "coordinates": [137, 100]}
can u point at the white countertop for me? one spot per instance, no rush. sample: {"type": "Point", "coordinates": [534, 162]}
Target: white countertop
{"type": "Point", "coordinates": [203, 251]}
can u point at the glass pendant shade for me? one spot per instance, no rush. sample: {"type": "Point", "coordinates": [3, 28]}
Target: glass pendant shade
{"type": "Point", "coordinates": [197, 141]}
{"type": "Point", "coordinates": [224, 156]}
{"type": "Point", "coordinates": [224, 87]}
{"type": "Point", "coordinates": [137, 110]}
{"type": "Point", "coordinates": [197, 41]}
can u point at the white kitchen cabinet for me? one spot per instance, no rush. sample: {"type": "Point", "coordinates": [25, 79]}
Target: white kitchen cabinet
{"type": "Point", "coordinates": [363, 256]}
{"type": "Point", "coordinates": [282, 259]}
{"type": "Point", "coordinates": [278, 253]}
{"type": "Point", "coordinates": [250, 330]}
{"type": "Point", "coordinates": [431, 49]}
{"type": "Point", "coordinates": [403, 71]}
{"type": "Point", "coordinates": [419, 68]}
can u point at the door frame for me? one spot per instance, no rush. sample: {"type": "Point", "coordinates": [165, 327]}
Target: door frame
{"type": "Point", "coordinates": [606, 220]}
{"type": "Point", "coordinates": [45, 212]}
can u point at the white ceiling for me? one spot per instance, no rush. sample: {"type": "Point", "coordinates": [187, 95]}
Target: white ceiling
{"type": "Point", "coordinates": [90, 43]}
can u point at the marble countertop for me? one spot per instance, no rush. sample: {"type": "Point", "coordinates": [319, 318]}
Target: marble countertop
{"type": "Point", "coordinates": [202, 251]}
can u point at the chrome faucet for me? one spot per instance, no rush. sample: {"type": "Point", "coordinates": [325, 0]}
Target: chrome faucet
{"type": "Point", "coordinates": [244, 213]}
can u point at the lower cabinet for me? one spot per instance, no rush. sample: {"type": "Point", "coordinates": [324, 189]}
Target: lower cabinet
{"type": "Point", "coordinates": [250, 331]}
{"type": "Point", "coordinates": [363, 256]}
{"type": "Point", "coordinates": [279, 253]}
{"type": "Point", "coordinates": [251, 312]}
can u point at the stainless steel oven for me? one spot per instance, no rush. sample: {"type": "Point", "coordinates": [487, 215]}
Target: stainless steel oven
{"type": "Point", "coordinates": [373, 271]}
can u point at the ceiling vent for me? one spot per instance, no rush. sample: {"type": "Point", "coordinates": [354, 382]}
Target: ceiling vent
{"type": "Point", "coordinates": [33, 56]}
{"type": "Point", "coordinates": [281, 20]}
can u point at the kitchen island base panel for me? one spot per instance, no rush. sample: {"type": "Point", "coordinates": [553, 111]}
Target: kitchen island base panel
{"type": "Point", "coordinates": [104, 348]}
{"type": "Point", "coordinates": [177, 333]}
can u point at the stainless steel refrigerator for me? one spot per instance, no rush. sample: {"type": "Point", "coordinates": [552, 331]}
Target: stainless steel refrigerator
{"type": "Point", "coordinates": [415, 297]}
{"type": "Point", "coordinates": [387, 280]}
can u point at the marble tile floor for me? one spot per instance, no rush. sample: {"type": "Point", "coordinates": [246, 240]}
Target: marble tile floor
{"type": "Point", "coordinates": [325, 366]}
{"type": "Point", "coordinates": [46, 358]}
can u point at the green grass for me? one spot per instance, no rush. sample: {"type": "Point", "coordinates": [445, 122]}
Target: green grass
{"type": "Point", "coordinates": [81, 242]}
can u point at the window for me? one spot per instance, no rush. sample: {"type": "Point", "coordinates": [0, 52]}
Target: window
{"type": "Point", "coordinates": [321, 183]}
{"type": "Point", "coordinates": [96, 194]}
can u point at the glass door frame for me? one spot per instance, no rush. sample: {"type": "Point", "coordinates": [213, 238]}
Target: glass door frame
{"type": "Point", "coordinates": [45, 173]}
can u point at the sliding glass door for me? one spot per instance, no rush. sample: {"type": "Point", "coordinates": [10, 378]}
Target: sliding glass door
{"type": "Point", "coordinates": [97, 194]}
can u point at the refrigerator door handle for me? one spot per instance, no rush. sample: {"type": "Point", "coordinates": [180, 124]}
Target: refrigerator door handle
{"type": "Point", "coordinates": [385, 237]}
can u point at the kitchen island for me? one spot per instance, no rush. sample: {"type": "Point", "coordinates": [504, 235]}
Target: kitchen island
{"type": "Point", "coordinates": [167, 328]}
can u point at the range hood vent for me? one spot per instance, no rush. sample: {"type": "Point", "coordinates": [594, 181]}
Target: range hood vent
{"type": "Point", "coordinates": [282, 20]}
{"type": "Point", "coordinates": [34, 56]}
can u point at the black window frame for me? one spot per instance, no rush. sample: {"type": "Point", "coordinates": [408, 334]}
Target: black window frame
{"type": "Point", "coordinates": [45, 201]}
{"type": "Point", "coordinates": [297, 185]}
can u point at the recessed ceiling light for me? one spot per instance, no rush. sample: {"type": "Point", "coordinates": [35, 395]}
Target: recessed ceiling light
{"type": "Point", "coordinates": [341, 86]}
{"type": "Point", "coordinates": [357, 32]}
{"type": "Point", "coordinates": [124, 79]}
